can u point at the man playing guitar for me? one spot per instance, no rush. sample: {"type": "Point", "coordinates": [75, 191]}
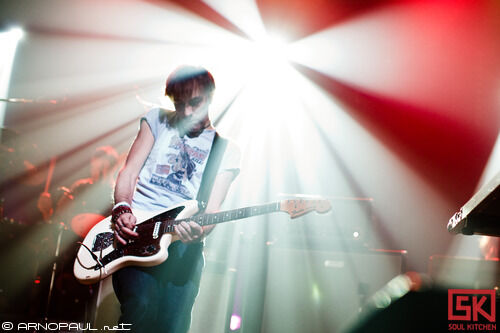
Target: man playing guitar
{"type": "Point", "coordinates": [165, 167]}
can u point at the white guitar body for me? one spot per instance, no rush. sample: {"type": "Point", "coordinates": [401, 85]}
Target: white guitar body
{"type": "Point", "coordinates": [150, 249]}
{"type": "Point", "coordinates": [101, 256]}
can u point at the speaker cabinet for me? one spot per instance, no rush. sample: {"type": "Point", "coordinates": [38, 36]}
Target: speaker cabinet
{"type": "Point", "coordinates": [461, 272]}
{"type": "Point", "coordinates": [323, 291]}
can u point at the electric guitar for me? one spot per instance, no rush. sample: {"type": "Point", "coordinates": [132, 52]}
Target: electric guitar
{"type": "Point", "coordinates": [100, 255]}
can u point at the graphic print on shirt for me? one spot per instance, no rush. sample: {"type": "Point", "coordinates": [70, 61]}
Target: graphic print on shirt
{"type": "Point", "coordinates": [182, 162]}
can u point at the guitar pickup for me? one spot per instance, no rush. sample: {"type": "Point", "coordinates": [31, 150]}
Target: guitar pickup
{"type": "Point", "coordinates": [156, 231]}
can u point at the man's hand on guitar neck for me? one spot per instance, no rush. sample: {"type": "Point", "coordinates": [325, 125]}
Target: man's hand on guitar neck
{"type": "Point", "coordinates": [191, 232]}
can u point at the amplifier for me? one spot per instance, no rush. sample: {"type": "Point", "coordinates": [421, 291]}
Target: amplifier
{"type": "Point", "coordinates": [323, 291]}
{"type": "Point", "coordinates": [461, 272]}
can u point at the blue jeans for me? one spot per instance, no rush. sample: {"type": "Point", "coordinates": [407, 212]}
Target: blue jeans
{"type": "Point", "coordinates": [160, 298]}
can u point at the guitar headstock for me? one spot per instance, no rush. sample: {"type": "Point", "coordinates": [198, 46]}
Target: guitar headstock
{"type": "Point", "coordinates": [296, 208]}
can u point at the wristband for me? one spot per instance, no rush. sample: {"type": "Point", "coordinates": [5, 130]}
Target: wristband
{"type": "Point", "coordinates": [118, 211]}
{"type": "Point", "coordinates": [121, 203]}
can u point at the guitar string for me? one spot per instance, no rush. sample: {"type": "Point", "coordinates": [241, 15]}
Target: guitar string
{"type": "Point", "coordinates": [246, 212]}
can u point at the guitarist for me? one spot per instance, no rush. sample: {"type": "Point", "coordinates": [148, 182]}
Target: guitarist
{"type": "Point", "coordinates": [165, 167]}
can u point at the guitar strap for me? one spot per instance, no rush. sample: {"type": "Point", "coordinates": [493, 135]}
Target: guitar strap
{"type": "Point", "coordinates": [213, 163]}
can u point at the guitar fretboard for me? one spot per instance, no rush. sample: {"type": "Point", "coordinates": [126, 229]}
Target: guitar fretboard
{"type": "Point", "coordinates": [235, 214]}
{"type": "Point", "coordinates": [226, 216]}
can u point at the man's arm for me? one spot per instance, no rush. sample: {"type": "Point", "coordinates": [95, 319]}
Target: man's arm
{"type": "Point", "coordinates": [193, 232]}
{"type": "Point", "coordinates": [127, 178]}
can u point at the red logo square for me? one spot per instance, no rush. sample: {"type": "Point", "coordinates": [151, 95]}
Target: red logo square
{"type": "Point", "coordinates": [471, 301]}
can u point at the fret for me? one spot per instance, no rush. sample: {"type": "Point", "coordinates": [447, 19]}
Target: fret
{"type": "Point", "coordinates": [225, 216]}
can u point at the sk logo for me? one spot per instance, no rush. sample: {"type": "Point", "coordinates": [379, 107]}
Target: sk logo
{"type": "Point", "coordinates": [467, 304]}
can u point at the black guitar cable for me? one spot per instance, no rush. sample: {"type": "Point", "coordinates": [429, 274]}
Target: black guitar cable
{"type": "Point", "coordinates": [96, 258]}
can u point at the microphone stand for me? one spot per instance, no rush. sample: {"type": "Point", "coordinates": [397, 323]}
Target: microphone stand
{"type": "Point", "coordinates": [54, 269]}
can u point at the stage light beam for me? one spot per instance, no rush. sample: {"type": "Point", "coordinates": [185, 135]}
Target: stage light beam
{"type": "Point", "coordinates": [235, 323]}
{"type": "Point", "coordinates": [16, 34]}
{"type": "Point", "coordinates": [8, 44]}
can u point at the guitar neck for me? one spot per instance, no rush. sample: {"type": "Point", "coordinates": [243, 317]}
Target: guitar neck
{"type": "Point", "coordinates": [231, 215]}
{"type": "Point", "coordinates": [294, 208]}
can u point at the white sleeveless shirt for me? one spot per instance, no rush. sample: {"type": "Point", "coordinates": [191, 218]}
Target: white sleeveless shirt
{"type": "Point", "coordinates": [174, 168]}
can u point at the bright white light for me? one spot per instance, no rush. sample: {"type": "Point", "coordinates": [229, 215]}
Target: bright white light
{"type": "Point", "coordinates": [266, 56]}
{"type": "Point", "coordinates": [235, 323]}
{"type": "Point", "coordinates": [355, 234]}
{"type": "Point", "coordinates": [272, 49]}
{"type": "Point", "coordinates": [244, 14]}
{"type": "Point", "coordinates": [16, 33]}
{"type": "Point", "coordinates": [8, 45]}
{"type": "Point", "coordinates": [269, 55]}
